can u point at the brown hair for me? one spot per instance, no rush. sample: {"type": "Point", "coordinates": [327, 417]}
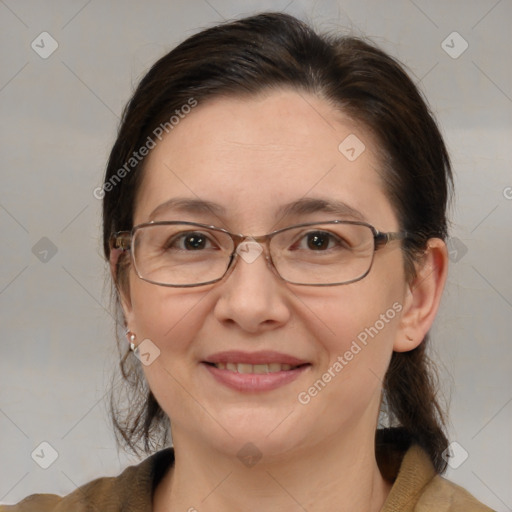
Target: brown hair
{"type": "Point", "coordinates": [274, 50]}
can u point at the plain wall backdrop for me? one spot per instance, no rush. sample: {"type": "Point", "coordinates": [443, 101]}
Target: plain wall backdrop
{"type": "Point", "coordinates": [60, 113]}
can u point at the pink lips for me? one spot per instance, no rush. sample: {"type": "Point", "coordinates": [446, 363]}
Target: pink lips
{"type": "Point", "coordinates": [254, 382]}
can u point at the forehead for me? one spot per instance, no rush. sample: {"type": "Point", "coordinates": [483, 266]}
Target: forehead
{"type": "Point", "coordinates": [254, 155]}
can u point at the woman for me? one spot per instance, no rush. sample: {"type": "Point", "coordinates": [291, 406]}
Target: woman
{"type": "Point", "coordinates": [274, 217]}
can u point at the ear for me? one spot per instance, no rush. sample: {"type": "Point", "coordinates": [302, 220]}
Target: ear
{"type": "Point", "coordinates": [423, 296]}
{"type": "Point", "coordinates": [122, 288]}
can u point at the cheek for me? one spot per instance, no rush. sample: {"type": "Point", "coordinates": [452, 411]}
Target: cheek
{"type": "Point", "coordinates": [361, 324]}
{"type": "Point", "coordinates": [164, 315]}
{"type": "Point", "coordinates": [171, 319]}
{"type": "Point", "coordinates": [361, 320]}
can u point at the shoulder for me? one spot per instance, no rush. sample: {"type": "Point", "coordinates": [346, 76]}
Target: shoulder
{"type": "Point", "coordinates": [131, 491]}
{"type": "Point", "coordinates": [102, 492]}
{"type": "Point", "coordinates": [34, 503]}
{"type": "Point", "coordinates": [442, 495]}
{"type": "Point", "coordinates": [418, 488]}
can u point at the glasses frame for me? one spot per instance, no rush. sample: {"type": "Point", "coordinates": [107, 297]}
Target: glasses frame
{"type": "Point", "coordinates": [121, 241]}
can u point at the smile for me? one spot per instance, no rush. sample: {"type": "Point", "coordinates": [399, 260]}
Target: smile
{"type": "Point", "coordinates": [251, 378]}
{"type": "Point", "coordinates": [254, 368]}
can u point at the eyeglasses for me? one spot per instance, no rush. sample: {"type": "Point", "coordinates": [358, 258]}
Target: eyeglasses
{"type": "Point", "coordinates": [186, 254]}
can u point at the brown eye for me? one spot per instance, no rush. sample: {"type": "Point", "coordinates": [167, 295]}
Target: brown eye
{"type": "Point", "coordinates": [194, 241]}
{"type": "Point", "coordinates": [189, 241]}
{"type": "Point", "coordinates": [320, 241]}
{"type": "Point", "coordinates": [317, 241]}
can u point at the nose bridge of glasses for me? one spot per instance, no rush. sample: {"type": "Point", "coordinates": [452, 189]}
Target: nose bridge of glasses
{"type": "Point", "coordinates": [249, 248]}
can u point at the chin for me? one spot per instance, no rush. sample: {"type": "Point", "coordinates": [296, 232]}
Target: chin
{"type": "Point", "coordinates": [265, 434]}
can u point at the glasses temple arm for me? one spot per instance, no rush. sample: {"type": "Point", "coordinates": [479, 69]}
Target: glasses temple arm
{"type": "Point", "coordinates": [384, 238]}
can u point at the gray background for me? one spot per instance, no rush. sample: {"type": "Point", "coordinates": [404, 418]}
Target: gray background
{"type": "Point", "coordinates": [60, 116]}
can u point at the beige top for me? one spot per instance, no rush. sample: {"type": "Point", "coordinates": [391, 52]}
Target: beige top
{"type": "Point", "coordinates": [417, 488]}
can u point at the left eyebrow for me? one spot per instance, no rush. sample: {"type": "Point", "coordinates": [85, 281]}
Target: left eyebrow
{"type": "Point", "coordinates": [308, 205]}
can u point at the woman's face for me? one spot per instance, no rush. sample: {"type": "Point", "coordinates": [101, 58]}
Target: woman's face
{"type": "Point", "coordinates": [252, 157]}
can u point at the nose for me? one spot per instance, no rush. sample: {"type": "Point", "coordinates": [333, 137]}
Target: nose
{"type": "Point", "coordinates": [252, 296]}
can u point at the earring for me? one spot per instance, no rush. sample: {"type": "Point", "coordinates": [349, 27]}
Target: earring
{"type": "Point", "coordinates": [131, 340]}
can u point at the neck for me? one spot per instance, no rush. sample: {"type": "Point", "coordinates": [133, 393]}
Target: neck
{"type": "Point", "coordinates": [338, 473]}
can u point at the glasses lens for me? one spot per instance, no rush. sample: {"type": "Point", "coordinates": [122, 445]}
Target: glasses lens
{"type": "Point", "coordinates": [180, 254]}
{"type": "Point", "coordinates": [323, 253]}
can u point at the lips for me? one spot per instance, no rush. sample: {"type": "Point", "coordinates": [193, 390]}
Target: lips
{"type": "Point", "coordinates": [255, 371]}
{"type": "Point", "coordinates": [254, 358]}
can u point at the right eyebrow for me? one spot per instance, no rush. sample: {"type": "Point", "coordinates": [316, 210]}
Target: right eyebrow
{"type": "Point", "coordinates": [188, 205]}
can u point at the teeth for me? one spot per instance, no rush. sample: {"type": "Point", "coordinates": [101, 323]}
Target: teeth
{"type": "Point", "coordinates": [254, 368]}
{"type": "Point", "coordinates": [260, 368]}
{"type": "Point", "coordinates": [245, 368]}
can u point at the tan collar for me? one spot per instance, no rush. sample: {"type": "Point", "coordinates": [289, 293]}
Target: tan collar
{"type": "Point", "coordinates": [416, 471]}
